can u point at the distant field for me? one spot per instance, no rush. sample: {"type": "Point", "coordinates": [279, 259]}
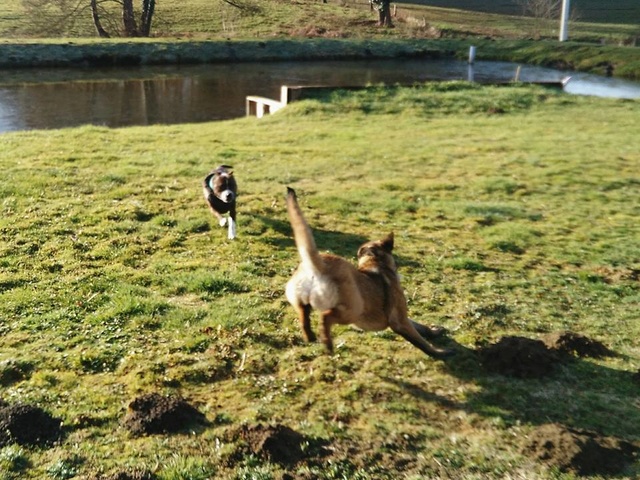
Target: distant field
{"type": "Point", "coordinates": [612, 11]}
{"type": "Point", "coordinates": [346, 19]}
{"type": "Point", "coordinates": [9, 16]}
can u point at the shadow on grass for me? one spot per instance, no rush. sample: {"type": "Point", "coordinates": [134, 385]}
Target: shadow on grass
{"type": "Point", "coordinates": [577, 393]}
{"type": "Point", "coordinates": [339, 243]}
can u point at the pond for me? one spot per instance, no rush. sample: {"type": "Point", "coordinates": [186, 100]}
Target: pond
{"type": "Point", "coordinates": [56, 98]}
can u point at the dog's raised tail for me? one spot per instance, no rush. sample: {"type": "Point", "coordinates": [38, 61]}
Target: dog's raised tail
{"type": "Point", "coordinates": [302, 234]}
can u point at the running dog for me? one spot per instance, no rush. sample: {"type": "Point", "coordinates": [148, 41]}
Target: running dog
{"type": "Point", "coordinates": [369, 296]}
{"type": "Point", "coordinates": [220, 190]}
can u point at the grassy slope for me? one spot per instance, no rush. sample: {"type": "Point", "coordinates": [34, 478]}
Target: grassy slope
{"type": "Point", "coordinates": [617, 11]}
{"type": "Point", "coordinates": [198, 18]}
{"type": "Point", "coordinates": [115, 280]}
{"type": "Point", "coordinates": [352, 23]}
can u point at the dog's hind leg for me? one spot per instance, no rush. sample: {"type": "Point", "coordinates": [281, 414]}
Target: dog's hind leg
{"type": "Point", "coordinates": [304, 315]}
{"type": "Point", "coordinates": [325, 330]}
{"type": "Point", "coordinates": [411, 334]}
{"type": "Point", "coordinates": [428, 331]}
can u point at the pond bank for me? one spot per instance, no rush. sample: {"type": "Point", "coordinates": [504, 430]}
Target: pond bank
{"type": "Point", "coordinates": [617, 61]}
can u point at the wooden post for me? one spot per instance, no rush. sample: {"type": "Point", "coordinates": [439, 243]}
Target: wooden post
{"type": "Point", "coordinates": [564, 21]}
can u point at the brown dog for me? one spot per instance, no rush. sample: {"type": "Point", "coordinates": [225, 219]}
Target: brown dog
{"type": "Point", "coordinates": [220, 190]}
{"type": "Point", "coordinates": [369, 296]}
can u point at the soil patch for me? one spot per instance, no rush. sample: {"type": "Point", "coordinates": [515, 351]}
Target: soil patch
{"type": "Point", "coordinates": [154, 413]}
{"type": "Point", "coordinates": [278, 443]}
{"type": "Point", "coordinates": [527, 358]}
{"type": "Point", "coordinates": [579, 451]}
{"type": "Point", "coordinates": [28, 425]}
{"type": "Point", "coordinates": [312, 31]}
{"type": "Point", "coordinates": [134, 475]}
{"type": "Point", "coordinates": [518, 357]}
{"type": "Point", "coordinates": [573, 344]}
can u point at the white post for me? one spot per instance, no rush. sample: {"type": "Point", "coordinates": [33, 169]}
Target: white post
{"type": "Point", "coordinates": [472, 54]}
{"type": "Point", "coordinates": [564, 21]}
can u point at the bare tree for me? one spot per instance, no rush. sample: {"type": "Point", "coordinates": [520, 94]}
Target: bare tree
{"type": "Point", "coordinates": [95, 15]}
{"type": "Point", "coordinates": [109, 17]}
{"type": "Point", "coordinates": [542, 12]}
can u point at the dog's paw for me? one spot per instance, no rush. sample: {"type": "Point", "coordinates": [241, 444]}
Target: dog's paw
{"type": "Point", "coordinates": [223, 222]}
{"type": "Point", "coordinates": [436, 331]}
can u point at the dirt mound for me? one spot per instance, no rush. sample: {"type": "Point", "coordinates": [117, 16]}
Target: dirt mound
{"type": "Point", "coordinates": [276, 443]}
{"type": "Point", "coordinates": [28, 425]}
{"type": "Point", "coordinates": [579, 451]}
{"type": "Point", "coordinates": [518, 357]}
{"type": "Point", "coordinates": [154, 413]}
{"type": "Point", "coordinates": [312, 31]}
{"type": "Point", "coordinates": [133, 475]}
{"type": "Point", "coordinates": [576, 345]}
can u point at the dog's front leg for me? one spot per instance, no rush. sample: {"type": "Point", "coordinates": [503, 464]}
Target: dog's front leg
{"type": "Point", "coordinates": [222, 221]}
{"type": "Point", "coordinates": [232, 224]}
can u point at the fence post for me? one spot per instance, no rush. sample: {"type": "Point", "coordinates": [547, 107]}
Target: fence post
{"type": "Point", "coordinates": [472, 54]}
{"type": "Point", "coordinates": [564, 21]}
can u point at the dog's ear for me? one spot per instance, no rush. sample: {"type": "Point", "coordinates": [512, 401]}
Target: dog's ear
{"type": "Point", "coordinates": [387, 243]}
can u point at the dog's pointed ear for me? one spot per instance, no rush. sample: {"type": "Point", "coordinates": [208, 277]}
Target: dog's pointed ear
{"type": "Point", "coordinates": [387, 243]}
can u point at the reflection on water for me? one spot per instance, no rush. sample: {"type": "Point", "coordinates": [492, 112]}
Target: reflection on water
{"type": "Point", "coordinates": [55, 98]}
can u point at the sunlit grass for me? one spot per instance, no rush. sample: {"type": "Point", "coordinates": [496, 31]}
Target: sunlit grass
{"type": "Point", "coordinates": [514, 213]}
{"type": "Point", "coordinates": [266, 19]}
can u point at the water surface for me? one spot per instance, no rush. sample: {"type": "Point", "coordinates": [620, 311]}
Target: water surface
{"type": "Point", "coordinates": [56, 98]}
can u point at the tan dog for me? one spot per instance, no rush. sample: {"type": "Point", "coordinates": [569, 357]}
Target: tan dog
{"type": "Point", "coordinates": [369, 296]}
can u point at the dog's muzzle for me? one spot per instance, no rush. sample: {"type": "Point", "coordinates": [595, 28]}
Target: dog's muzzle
{"type": "Point", "coordinates": [227, 196]}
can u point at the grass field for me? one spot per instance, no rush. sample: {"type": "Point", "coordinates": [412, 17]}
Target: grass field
{"type": "Point", "coordinates": [614, 11]}
{"type": "Point", "coordinates": [596, 47]}
{"type": "Point", "coordinates": [515, 213]}
{"type": "Point", "coordinates": [351, 18]}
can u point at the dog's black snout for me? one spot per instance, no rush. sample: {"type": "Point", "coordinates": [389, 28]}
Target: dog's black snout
{"type": "Point", "coordinates": [227, 196]}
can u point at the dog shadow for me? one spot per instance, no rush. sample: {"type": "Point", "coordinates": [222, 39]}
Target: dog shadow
{"type": "Point", "coordinates": [577, 393]}
{"type": "Point", "coordinates": [339, 243]}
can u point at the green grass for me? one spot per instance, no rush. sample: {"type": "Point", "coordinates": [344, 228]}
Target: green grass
{"type": "Point", "coordinates": [310, 29]}
{"type": "Point", "coordinates": [198, 19]}
{"type": "Point", "coordinates": [618, 11]}
{"type": "Point", "coordinates": [514, 212]}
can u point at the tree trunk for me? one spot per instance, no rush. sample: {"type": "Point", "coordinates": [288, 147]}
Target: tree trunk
{"type": "Point", "coordinates": [128, 19]}
{"type": "Point", "coordinates": [96, 20]}
{"type": "Point", "coordinates": [385, 14]}
{"type": "Point", "coordinates": [148, 7]}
